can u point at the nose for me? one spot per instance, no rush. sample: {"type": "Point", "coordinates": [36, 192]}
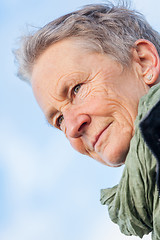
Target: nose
{"type": "Point", "coordinates": [76, 123]}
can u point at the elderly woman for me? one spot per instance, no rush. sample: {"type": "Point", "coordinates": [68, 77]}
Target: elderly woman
{"type": "Point", "coordinates": [95, 74]}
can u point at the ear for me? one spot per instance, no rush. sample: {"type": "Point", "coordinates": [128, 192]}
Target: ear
{"type": "Point", "coordinates": [147, 56]}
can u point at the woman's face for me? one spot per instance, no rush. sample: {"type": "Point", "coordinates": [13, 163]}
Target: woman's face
{"type": "Point", "coordinates": [90, 97]}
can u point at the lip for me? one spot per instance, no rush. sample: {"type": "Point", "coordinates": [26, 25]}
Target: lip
{"type": "Point", "coordinates": [99, 135]}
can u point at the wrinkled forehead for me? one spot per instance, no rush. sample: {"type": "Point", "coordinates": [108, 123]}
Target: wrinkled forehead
{"type": "Point", "coordinates": [58, 62]}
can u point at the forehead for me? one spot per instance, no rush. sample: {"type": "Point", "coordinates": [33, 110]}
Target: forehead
{"type": "Point", "coordinates": [57, 55]}
{"type": "Point", "coordinates": [61, 64]}
{"type": "Point", "coordinates": [60, 61]}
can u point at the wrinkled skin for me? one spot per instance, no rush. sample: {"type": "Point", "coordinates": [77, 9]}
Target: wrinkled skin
{"type": "Point", "coordinates": [90, 97]}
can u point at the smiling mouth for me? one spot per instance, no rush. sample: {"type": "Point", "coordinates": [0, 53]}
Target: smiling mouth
{"type": "Point", "coordinates": [99, 135]}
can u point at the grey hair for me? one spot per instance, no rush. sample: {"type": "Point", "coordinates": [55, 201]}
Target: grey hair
{"type": "Point", "coordinates": [101, 28]}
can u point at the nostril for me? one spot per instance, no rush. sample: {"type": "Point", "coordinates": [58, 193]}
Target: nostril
{"type": "Point", "coordinates": [81, 127]}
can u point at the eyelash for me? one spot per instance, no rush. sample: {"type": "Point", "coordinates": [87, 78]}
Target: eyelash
{"type": "Point", "coordinates": [73, 92]}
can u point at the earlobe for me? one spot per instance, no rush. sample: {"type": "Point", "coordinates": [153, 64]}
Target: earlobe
{"type": "Point", "coordinates": [149, 61]}
{"type": "Point", "coordinates": [149, 79]}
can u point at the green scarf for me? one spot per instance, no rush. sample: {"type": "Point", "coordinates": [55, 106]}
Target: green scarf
{"type": "Point", "coordinates": [134, 203]}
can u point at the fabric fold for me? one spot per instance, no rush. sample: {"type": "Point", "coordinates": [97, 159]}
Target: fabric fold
{"type": "Point", "coordinates": [133, 204]}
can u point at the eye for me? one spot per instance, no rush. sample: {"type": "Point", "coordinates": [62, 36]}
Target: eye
{"type": "Point", "coordinates": [59, 120]}
{"type": "Point", "coordinates": [76, 88]}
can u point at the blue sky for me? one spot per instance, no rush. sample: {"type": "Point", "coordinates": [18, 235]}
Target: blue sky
{"type": "Point", "coordinates": [47, 190]}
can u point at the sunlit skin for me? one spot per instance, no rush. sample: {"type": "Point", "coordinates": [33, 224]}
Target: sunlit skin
{"type": "Point", "coordinates": [91, 98]}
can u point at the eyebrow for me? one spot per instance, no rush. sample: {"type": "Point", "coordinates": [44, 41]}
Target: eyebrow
{"type": "Point", "coordinates": [67, 81]}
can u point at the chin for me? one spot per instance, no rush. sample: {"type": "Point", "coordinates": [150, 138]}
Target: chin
{"type": "Point", "coordinates": [114, 160]}
{"type": "Point", "coordinates": [111, 164]}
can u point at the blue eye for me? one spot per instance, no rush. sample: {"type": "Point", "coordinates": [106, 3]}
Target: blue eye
{"type": "Point", "coordinates": [76, 88]}
{"type": "Point", "coordinates": [59, 120]}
